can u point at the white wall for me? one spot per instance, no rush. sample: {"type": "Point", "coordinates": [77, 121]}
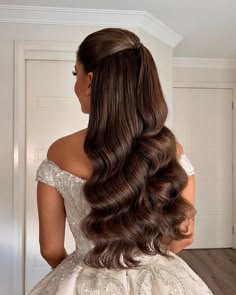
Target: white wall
{"type": "Point", "coordinates": [8, 33]}
{"type": "Point", "coordinates": [6, 160]}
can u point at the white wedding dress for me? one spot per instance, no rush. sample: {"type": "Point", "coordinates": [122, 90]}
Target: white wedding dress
{"type": "Point", "coordinates": [157, 275]}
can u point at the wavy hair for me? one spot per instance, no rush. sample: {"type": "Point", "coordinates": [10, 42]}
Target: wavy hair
{"type": "Point", "coordinates": [135, 188]}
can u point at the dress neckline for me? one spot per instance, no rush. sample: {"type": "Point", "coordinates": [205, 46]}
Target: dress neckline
{"type": "Point", "coordinates": [181, 159]}
{"type": "Point", "coordinates": [65, 171]}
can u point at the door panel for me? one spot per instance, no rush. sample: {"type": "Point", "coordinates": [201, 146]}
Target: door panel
{"type": "Point", "coordinates": [202, 123]}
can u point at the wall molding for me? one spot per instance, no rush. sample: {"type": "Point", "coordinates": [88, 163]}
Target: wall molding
{"type": "Point", "coordinates": [90, 17]}
{"type": "Point", "coordinates": [204, 63]}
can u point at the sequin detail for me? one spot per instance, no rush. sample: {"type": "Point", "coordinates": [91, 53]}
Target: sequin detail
{"type": "Point", "coordinates": [186, 164]}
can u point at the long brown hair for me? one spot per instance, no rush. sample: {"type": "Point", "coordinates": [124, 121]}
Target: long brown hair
{"type": "Point", "coordinates": [135, 189]}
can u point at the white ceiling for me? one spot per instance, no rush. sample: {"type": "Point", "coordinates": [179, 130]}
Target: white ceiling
{"type": "Point", "coordinates": [208, 27]}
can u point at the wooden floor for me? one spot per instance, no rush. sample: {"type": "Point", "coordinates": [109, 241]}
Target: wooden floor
{"type": "Point", "coordinates": [217, 268]}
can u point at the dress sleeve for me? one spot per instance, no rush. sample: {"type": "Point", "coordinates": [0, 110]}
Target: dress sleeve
{"type": "Point", "coordinates": [46, 173]}
{"type": "Point", "coordinates": [186, 164]}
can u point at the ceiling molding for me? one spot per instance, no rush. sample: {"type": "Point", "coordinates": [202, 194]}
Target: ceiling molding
{"type": "Point", "coordinates": [91, 17]}
{"type": "Point", "coordinates": [204, 63]}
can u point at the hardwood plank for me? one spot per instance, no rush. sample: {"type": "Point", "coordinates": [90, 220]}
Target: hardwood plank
{"type": "Point", "coordinates": [217, 268]}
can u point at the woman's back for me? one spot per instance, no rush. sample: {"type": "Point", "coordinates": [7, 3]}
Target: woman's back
{"type": "Point", "coordinates": [68, 154]}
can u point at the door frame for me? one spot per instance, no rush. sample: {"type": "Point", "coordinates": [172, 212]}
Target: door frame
{"type": "Point", "coordinates": [221, 85]}
{"type": "Point", "coordinates": [23, 51]}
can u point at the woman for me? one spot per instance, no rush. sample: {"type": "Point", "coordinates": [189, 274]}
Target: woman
{"type": "Point", "coordinates": [123, 183]}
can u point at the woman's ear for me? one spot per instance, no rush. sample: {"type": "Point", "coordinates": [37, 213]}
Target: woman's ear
{"type": "Point", "coordinates": [90, 77]}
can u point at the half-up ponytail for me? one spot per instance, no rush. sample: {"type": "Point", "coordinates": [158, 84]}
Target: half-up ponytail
{"type": "Point", "coordinates": [135, 189]}
{"type": "Point", "coordinates": [153, 110]}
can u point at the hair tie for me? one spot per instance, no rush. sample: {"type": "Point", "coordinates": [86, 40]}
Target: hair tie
{"type": "Point", "coordinates": [137, 45]}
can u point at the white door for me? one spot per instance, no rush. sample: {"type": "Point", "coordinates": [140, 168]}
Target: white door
{"type": "Point", "coordinates": [52, 111]}
{"type": "Point", "coordinates": [202, 122]}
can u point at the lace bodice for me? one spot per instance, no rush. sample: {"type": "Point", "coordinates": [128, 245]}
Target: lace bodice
{"type": "Point", "coordinates": [71, 189]}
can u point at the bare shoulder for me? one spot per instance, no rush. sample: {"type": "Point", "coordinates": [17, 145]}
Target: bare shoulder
{"type": "Point", "coordinates": [56, 148]}
{"type": "Point", "coordinates": [179, 150]}
{"type": "Point", "coordinates": [68, 153]}
{"type": "Point", "coordinates": [64, 145]}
